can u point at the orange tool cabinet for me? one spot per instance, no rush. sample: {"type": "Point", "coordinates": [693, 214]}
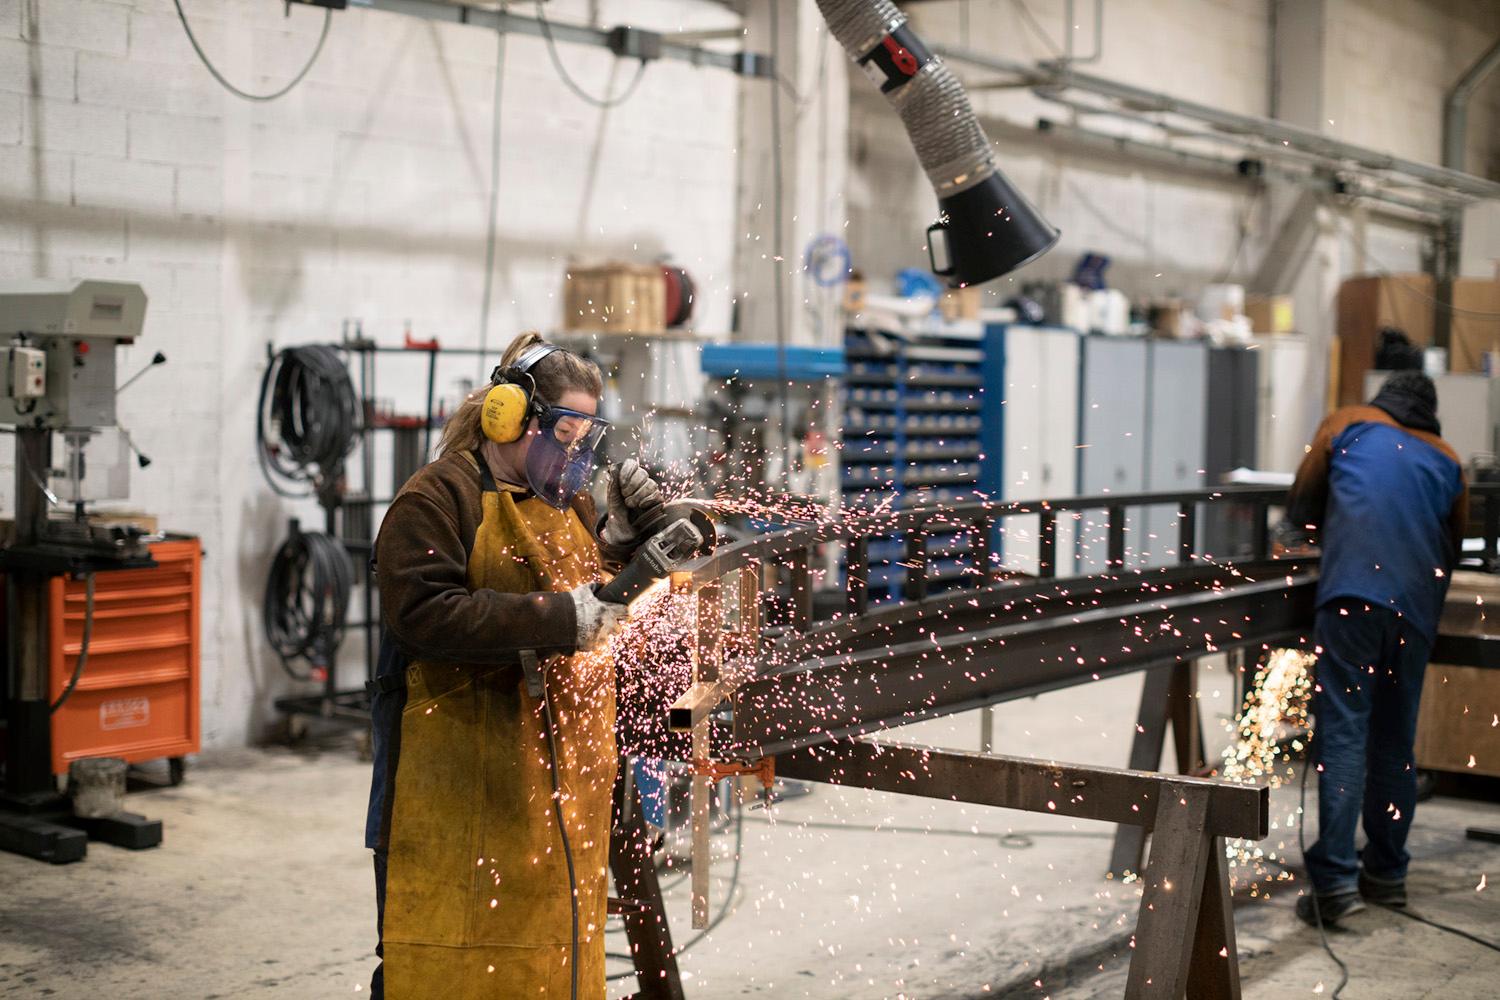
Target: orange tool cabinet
{"type": "Point", "coordinates": [137, 697]}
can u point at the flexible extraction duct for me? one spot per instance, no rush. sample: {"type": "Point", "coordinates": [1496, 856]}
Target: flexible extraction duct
{"type": "Point", "coordinates": [986, 228]}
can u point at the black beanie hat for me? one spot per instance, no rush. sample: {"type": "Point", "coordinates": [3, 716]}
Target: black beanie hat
{"type": "Point", "coordinates": [1410, 397]}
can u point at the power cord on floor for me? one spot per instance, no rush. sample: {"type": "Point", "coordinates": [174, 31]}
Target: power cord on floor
{"type": "Point", "coordinates": [1442, 927]}
{"type": "Point", "coordinates": [1317, 912]}
{"type": "Point", "coordinates": [237, 92]}
{"type": "Point", "coordinates": [562, 831]}
{"type": "Point", "coordinates": [83, 646]}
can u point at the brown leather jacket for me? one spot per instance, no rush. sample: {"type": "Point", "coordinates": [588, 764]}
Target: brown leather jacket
{"type": "Point", "coordinates": [421, 558]}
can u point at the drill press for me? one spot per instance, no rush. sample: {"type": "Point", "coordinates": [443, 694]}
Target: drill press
{"type": "Point", "coordinates": [57, 375]}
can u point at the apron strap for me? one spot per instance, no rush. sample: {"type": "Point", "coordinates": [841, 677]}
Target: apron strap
{"type": "Point", "coordinates": [486, 478]}
{"type": "Point", "coordinates": [531, 668]}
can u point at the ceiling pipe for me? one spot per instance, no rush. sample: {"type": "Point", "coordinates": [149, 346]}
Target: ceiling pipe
{"type": "Point", "coordinates": [1290, 136]}
{"type": "Point", "coordinates": [1316, 167]}
{"type": "Point", "coordinates": [1456, 107]}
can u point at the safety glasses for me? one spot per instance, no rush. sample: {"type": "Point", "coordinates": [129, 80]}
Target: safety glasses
{"type": "Point", "coordinates": [573, 431]}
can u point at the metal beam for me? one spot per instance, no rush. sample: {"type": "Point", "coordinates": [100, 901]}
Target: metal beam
{"type": "Point", "coordinates": [881, 688]}
{"type": "Point", "coordinates": [1099, 793]}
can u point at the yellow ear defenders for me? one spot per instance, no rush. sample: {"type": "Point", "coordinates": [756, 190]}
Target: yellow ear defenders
{"type": "Point", "coordinates": [509, 406]}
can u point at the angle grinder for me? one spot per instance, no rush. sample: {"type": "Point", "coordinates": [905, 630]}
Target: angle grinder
{"type": "Point", "coordinates": [677, 531]}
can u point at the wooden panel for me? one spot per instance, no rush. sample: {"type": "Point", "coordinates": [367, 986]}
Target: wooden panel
{"type": "Point", "coordinates": [1404, 301]}
{"type": "Point", "coordinates": [1457, 720]}
{"type": "Point", "coordinates": [1476, 324]}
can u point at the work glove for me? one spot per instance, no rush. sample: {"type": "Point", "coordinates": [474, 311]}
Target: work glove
{"type": "Point", "coordinates": [597, 620]}
{"type": "Point", "coordinates": [632, 492]}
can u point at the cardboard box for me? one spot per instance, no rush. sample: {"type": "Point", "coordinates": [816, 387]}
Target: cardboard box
{"type": "Point", "coordinates": [1476, 324]}
{"type": "Point", "coordinates": [1270, 313]}
{"type": "Point", "coordinates": [615, 298]}
{"type": "Point", "coordinates": [1365, 304]}
{"type": "Point", "coordinates": [1169, 319]}
{"type": "Point", "coordinates": [960, 303]}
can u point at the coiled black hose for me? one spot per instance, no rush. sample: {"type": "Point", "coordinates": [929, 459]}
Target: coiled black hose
{"type": "Point", "coordinates": [308, 418]}
{"type": "Point", "coordinates": [306, 602]}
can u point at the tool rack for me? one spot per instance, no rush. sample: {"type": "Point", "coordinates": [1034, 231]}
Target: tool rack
{"type": "Point", "coordinates": [351, 514]}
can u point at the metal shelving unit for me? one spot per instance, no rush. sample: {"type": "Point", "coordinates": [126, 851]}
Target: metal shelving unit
{"type": "Point", "coordinates": [353, 515]}
{"type": "Point", "coordinates": [913, 412]}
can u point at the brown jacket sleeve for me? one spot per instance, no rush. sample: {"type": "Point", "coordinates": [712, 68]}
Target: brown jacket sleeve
{"type": "Point", "coordinates": [426, 603]}
{"type": "Point", "coordinates": [1308, 497]}
{"type": "Point", "coordinates": [1458, 519]}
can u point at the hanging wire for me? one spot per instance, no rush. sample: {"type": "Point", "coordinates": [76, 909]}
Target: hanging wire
{"type": "Point", "coordinates": [562, 71]}
{"type": "Point", "coordinates": [777, 188]}
{"type": "Point", "coordinates": [494, 201]}
{"type": "Point", "coordinates": [1394, 277]}
{"type": "Point", "coordinates": [1040, 32]}
{"type": "Point", "coordinates": [237, 92]}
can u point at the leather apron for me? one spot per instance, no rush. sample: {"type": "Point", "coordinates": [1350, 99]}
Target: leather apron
{"type": "Point", "coordinates": [477, 902]}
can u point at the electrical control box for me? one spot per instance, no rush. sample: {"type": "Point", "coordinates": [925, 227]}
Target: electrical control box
{"type": "Point", "coordinates": [57, 342]}
{"type": "Point", "coordinates": [28, 373]}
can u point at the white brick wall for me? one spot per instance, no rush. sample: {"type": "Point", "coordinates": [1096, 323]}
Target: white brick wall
{"type": "Point", "coordinates": [362, 193]}
{"type": "Point", "coordinates": [1394, 63]}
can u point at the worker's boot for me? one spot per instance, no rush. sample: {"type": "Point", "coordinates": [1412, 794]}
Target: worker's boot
{"type": "Point", "coordinates": [1382, 891]}
{"type": "Point", "coordinates": [1332, 907]}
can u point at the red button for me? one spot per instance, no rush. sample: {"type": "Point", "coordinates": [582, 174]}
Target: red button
{"type": "Point", "coordinates": [81, 346]}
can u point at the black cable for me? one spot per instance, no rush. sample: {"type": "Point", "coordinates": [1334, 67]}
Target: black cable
{"type": "Point", "coordinates": [777, 260]}
{"type": "Point", "coordinates": [306, 601]}
{"type": "Point", "coordinates": [237, 92]}
{"type": "Point", "coordinates": [494, 206]}
{"type": "Point", "coordinates": [308, 418]}
{"type": "Point", "coordinates": [1442, 927]}
{"type": "Point", "coordinates": [562, 71]}
{"type": "Point", "coordinates": [83, 646]}
{"type": "Point", "coordinates": [562, 830]}
{"type": "Point", "coordinates": [1041, 32]}
{"type": "Point", "coordinates": [1307, 765]}
{"type": "Point", "coordinates": [1395, 278]}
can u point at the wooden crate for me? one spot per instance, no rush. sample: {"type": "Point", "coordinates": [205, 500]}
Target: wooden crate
{"type": "Point", "coordinates": [1366, 304]}
{"type": "Point", "coordinates": [1461, 705]}
{"type": "Point", "coordinates": [615, 298]}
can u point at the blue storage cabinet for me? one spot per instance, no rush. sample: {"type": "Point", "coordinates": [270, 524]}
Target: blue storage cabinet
{"type": "Point", "coordinates": [912, 435]}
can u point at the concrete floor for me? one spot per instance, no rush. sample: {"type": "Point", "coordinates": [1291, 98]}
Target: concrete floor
{"type": "Point", "coordinates": [262, 888]}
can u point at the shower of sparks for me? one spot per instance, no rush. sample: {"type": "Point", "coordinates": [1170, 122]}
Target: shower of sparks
{"type": "Point", "coordinates": [1268, 732]}
{"type": "Point", "coordinates": [826, 677]}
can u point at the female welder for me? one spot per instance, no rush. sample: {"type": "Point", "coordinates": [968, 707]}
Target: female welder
{"type": "Point", "coordinates": [487, 561]}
